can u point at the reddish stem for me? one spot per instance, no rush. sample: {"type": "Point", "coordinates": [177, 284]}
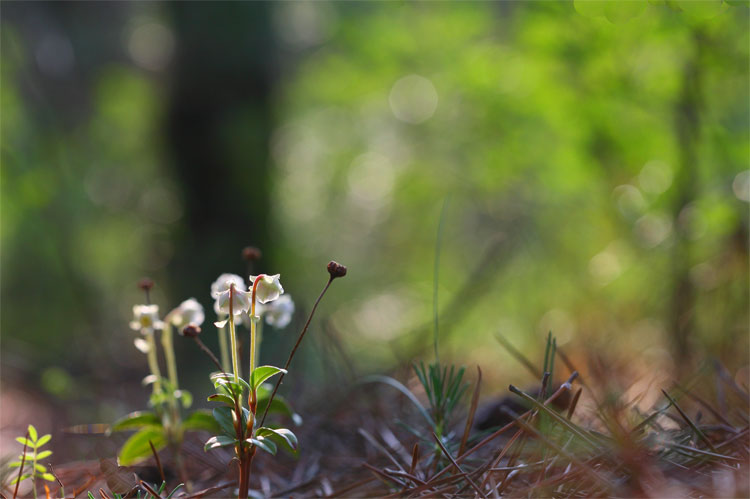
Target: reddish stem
{"type": "Point", "coordinates": [23, 460]}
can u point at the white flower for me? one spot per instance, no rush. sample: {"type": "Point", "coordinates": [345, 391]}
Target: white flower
{"type": "Point", "coordinates": [240, 301]}
{"type": "Point", "coordinates": [146, 318]}
{"type": "Point", "coordinates": [268, 288]}
{"type": "Point", "coordinates": [189, 312]}
{"type": "Point", "coordinates": [224, 282]}
{"type": "Point", "coordinates": [142, 345]}
{"type": "Point", "coordinates": [220, 292]}
{"type": "Point", "coordinates": [279, 313]}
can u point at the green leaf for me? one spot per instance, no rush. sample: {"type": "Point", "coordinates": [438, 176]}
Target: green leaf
{"type": "Point", "coordinates": [201, 420]}
{"type": "Point", "coordinates": [279, 406]}
{"type": "Point", "coordinates": [32, 433]}
{"type": "Point", "coordinates": [91, 496]}
{"type": "Point", "coordinates": [175, 490]}
{"type": "Point", "coordinates": [222, 378]}
{"type": "Point", "coordinates": [263, 443]}
{"type": "Point", "coordinates": [220, 397]}
{"type": "Point", "coordinates": [20, 479]}
{"type": "Point", "coordinates": [224, 417]}
{"type": "Point", "coordinates": [280, 435]}
{"type": "Point", "coordinates": [263, 391]}
{"type": "Point", "coordinates": [262, 373]}
{"type": "Point", "coordinates": [43, 440]}
{"type": "Point", "coordinates": [14, 464]}
{"type": "Point", "coordinates": [43, 454]}
{"type": "Point", "coordinates": [136, 447]}
{"type": "Point", "coordinates": [49, 477]}
{"type": "Point", "coordinates": [224, 388]}
{"type": "Point", "coordinates": [186, 397]}
{"type": "Point", "coordinates": [24, 441]}
{"type": "Point", "coordinates": [218, 441]}
{"type": "Point", "coordinates": [134, 420]}
{"type": "Point", "coordinates": [400, 387]}
{"type": "Point", "coordinates": [40, 468]}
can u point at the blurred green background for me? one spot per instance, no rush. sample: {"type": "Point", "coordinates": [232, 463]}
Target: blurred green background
{"type": "Point", "coordinates": [592, 158]}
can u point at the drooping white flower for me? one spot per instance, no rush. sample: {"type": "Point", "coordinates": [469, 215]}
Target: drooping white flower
{"type": "Point", "coordinates": [279, 313]}
{"type": "Point", "coordinates": [224, 282]}
{"type": "Point", "coordinates": [189, 312]}
{"type": "Point", "coordinates": [240, 301]}
{"type": "Point", "coordinates": [146, 318]}
{"type": "Point", "coordinates": [268, 287]}
{"type": "Point", "coordinates": [220, 292]}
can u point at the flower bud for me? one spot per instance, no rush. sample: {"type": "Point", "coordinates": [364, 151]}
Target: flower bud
{"type": "Point", "coordinates": [191, 331]}
{"type": "Point", "coordinates": [145, 284]}
{"type": "Point", "coordinates": [251, 253]}
{"type": "Point", "coordinates": [336, 269]}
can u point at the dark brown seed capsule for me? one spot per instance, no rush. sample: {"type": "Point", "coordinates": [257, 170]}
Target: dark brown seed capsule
{"type": "Point", "coordinates": [336, 269]}
{"type": "Point", "coordinates": [190, 331]}
{"type": "Point", "coordinates": [145, 284]}
{"type": "Point", "coordinates": [251, 253]}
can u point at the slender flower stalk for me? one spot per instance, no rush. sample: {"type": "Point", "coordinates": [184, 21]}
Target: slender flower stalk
{"type": "Point", "coordinates": [335, 270]}
{"type": "Point", "coordinates": [232, 335]}
{"type": "Point", "coordinates": [266, 288]}
{"type": "Point", "coordinates": [223, 348]}
{"type": "Point", "coordinates": [253, 322]}
{"type": "Point", "coordinates": [153, 362]}
{"type": "Point", "coordinates": [146, 321]}
{"type": "Point", "coordinates": [258, 339]}
{"type": "Point", "coordinates": [167, 343]}
{"type": "Point", "coordinates": [220, 292]}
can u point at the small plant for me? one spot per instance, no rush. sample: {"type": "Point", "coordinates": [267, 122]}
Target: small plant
{"type": "Point", "coordinates": [150, 492]}
{"type": "Point", "coordinates": [240, 425]}
{"type": "Point", "coordinates": [165, 425]}
{"type": "Point", "coordinates": [30, 458]}
{"type": "Point", "coordinates": [444, 389]}
{"type": "Point", "coordinates": [443, 384]}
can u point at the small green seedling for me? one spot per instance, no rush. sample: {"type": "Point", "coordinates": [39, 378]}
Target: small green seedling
{"type": "Point", "coordinates": [150, 492]}
{"type": "Point", "coordinates": [30, 458]}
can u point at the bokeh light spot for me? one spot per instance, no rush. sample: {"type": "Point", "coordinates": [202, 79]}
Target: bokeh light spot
{"type": "Point", "coordinates": [741, 186]}
{"type": "Point", "coordinates": [151, 45]}
{"type": "Point", "coordinates": [413, 99]}
{"type": "Point", "coordinates": [655, 177]}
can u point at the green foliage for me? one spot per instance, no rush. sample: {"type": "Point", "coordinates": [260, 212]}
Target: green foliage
{"type": "Point", "coordinates": [200, 420]}
{"type": "Point", "coordinates": [280, 436]}
{"type": "Point", "coordinates": [229, 395]}
{"type": "Point", "coordinates": [557, 129]}
{"type": "Point", "coordinates": [444, 389]}
{"type": "Point", "coordinates": [137, 448]}
{"type": "Point", "coordinates": [136, 420]}
{"type": "Point", "coordinates": [144, 493]}
{"type": "Point", "coordinates": [30, 458]}
{"type": "Point", "coordinates": [262, 373]}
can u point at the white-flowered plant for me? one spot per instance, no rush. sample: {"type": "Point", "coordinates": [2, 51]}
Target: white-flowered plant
{"type": "Point", "coordinates": [233, 302]}
{"type": "Point", "coordinates": [146, 319]}
{"type": "Point", "coordinates": [165, 425]}
{"type": "Point", "coordinates": [218, 287]}
{"type": "Point", "coordinates": [189, 312]}
{"type": "Point", "coordinates": [244, 403]}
